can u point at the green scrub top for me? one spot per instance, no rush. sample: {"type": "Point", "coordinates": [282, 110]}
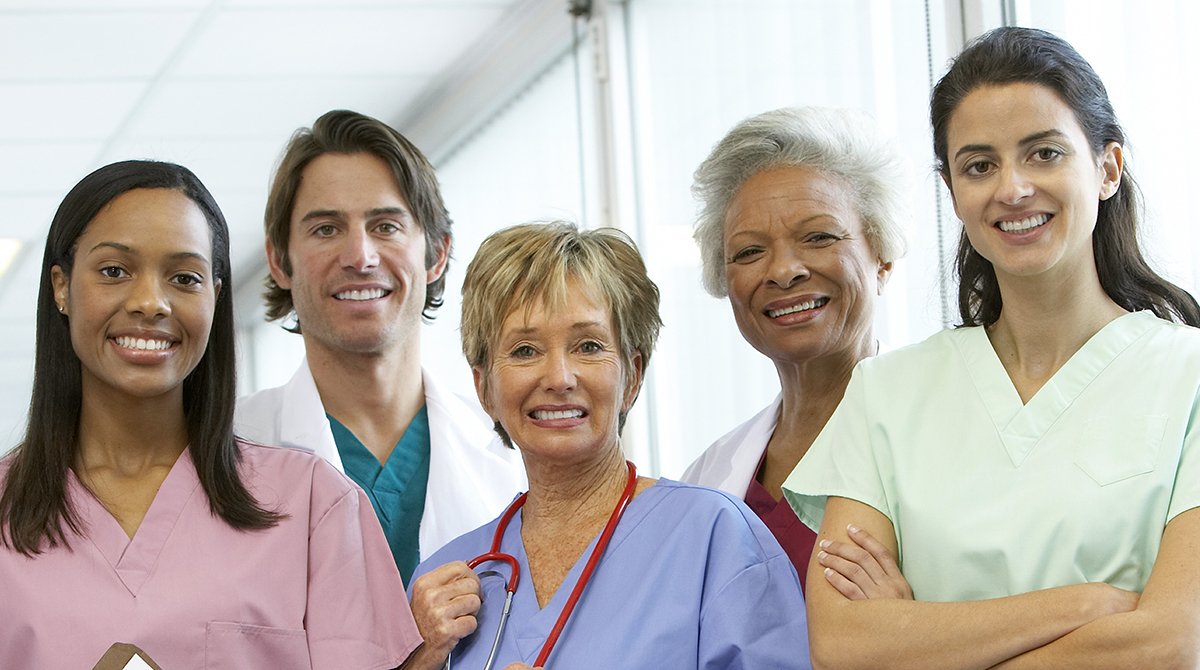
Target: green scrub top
{"type": "Point", "coordinates": [396, 489]}
{"type": "Point", "coordinates": [992, 497]}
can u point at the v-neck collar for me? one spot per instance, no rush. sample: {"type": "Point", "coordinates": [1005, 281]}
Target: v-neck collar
{"type": "Point", "coordinates": [1021, 426]}
{"type": "Point", "coordinates": [531, 633]}
{"type": "Point", "coordinates": [133, 559]}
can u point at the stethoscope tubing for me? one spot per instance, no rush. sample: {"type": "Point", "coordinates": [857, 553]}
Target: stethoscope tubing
{"type": "Point", "coordinates": [510, 585]}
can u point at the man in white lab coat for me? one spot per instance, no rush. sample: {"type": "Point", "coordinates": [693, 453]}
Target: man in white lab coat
{"type": "Point", "coordinates": [357, 244]}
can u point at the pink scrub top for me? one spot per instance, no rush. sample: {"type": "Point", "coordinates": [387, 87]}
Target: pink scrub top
{"type": "Point", "coordinates": [319, 590]}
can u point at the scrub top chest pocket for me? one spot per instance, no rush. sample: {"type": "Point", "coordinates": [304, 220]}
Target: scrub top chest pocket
{"type": "Point", "coordinates": [1111, 449]}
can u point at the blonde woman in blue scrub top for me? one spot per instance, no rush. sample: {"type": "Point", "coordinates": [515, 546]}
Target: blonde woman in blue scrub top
{"type": "Point", "coordinates": [1020, 492]}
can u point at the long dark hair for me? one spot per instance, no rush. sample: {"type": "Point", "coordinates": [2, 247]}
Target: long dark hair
{"type": "Point", "coordinates": [34, 510]}
{"type": "Point", "coordinates": [1010, 55]}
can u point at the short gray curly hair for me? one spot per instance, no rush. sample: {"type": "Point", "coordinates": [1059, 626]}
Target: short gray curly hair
{"type": "Point", "coordinates": [840, 142]}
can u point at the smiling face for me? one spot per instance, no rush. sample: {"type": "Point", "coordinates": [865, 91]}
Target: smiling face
{"type": "Point", "coordinates": [1025, 182]}
{"type": "Point", "coordinates": [357, 256]}
{"type": "Point", "coordinates": [802, 276]}
{"type": "Point", "coordinates": [141, 294]}
{"type": "Point", "coordinates": [556, 382]}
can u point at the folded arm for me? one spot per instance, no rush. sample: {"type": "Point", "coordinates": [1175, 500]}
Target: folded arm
{"type": "Point", "coordinates": [898, 633]}
{"type": "Point", "coordinates": [1162, 633]}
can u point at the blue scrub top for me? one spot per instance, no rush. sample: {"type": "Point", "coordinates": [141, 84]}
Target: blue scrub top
{"type": "Point", "coordinates": [396, 489]}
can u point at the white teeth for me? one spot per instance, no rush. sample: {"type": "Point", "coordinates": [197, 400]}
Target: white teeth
{"type": "Point", "coordinates": [367, 294]}
{"type": "Point", "coordinates": [806, 305]}
{"type": "Point", "coordinates": [545, 415]}
{"type": "Point", "coordinates": [1024, 224]}
{"type": "Point", "coordinates": [142, 344]}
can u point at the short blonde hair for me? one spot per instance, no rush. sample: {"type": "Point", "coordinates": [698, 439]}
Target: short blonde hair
{"type": "Point", "coordinates": [520, 265]}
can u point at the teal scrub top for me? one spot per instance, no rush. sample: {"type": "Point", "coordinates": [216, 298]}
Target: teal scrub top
{"type": "Point", "coordinates": [990, 497]}
{"type": "Point", "coordinates": [396, 489]}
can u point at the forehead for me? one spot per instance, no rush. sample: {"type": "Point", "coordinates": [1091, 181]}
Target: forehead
{"type": "Point", "coordinates": [150, 220]}
{"type": "Point", "coordinates": [549, 306]}
{"type": "Point", "coordinates": [999, 115]}
{"type": "Point", "coordinates": [789, 195]}
{"type": "Point", "coordinates": [349, 183]}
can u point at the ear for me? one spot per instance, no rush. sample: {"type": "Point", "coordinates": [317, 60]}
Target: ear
{"type": "Point", "coordinates": [439, 264]}
{"type": "Point", "coordinates": [275, 263]}
{"type": "Point", "coordinates": [634, 383]}
{"type": "Point", "coordinates": [950, 189]}
{"type": "Point", "coordinates": [885, 271]}
{"type": "Point", "coordinates": [61, 283]}
{"type": "Point", "coordinates": [1112, 161]}
{"type": "Point", "coordinates": [478, 375]}
{"type": "Point", "coordinates": [217, 289]}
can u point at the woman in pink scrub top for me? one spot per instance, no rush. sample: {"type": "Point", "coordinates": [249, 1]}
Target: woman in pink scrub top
{"type": "Point", "coordinates": [799, 229]}
{"type": "Point", "coordinates": [131, 519]}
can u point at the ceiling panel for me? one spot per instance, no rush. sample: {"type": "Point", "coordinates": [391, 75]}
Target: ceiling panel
{"type": "Point", "coordinates": [53, 112]}
{"type": "Point", "coordinates": [83, 46]}
{"type": "Point", "coordinates": [46, 168]}
{"type": "Point", "coordinates": [271, 107]}
{"type": "Point", "coordinates": [354, 40]}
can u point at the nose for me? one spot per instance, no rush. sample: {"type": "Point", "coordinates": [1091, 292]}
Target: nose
{"type": "Point", "coordinates": [1013, 185]}
{"type": "Point", "coordinates": [148, 298]}
{"type": "Point", "coordinates": [359, 251]}
{"type": "Point", "coordinates": [787, 267]}
{"type": "Point", "coordinates": [559, 372]}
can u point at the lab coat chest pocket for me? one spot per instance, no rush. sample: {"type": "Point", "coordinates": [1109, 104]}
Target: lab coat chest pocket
{"type": "Point", "coordinates": [237, 645]}
{"type": "Point", "coordinates": [1112, 449]}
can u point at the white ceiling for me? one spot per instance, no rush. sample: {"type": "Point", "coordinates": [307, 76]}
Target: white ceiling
{"type": "Point", "coordinates": [215, 85]}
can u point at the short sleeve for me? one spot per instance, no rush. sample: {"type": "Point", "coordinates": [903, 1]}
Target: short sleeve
{"type": "Point", "coordinates": [358, 615]}
{"type": "Point", "coordinates": [843, 461]}
{"type": "Point", "coordinates": [757, 620]}
{"type": "Point", "coordinates": [1185, 494]}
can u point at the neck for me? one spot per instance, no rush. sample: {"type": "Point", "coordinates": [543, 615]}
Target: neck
{"type": "Point", "coordinates": [811, 390]}
{"type": "Point", "coordinates": [571, 493]}
{"type": "Point", "coordinates": [130, 435]}
{"type": "Point", "coordinates": [1043, 325]}
{"type": "Point", "coordinates": [374, 395]}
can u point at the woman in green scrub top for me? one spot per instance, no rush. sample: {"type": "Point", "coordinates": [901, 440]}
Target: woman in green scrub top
{"type": "Point", "coordinates": [1022, 491]}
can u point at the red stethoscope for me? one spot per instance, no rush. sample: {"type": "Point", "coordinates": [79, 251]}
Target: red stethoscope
{"type": "Point", "coordinates": [510, 586]}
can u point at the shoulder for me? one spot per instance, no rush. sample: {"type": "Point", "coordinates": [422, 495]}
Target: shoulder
{"type": "Point", "coordinates": [286, 472]}
{"type": "Point", "coordinates": [1182, 339]}
{"type": "Point", "coordinates": [718, 519]}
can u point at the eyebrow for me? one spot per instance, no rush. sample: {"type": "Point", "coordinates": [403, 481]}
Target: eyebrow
{"type": "Point", "coordinates": [578, 325]}
{"type": "Point", "coordinates": [1028, 139]}
{"type": "Point", "coordinates": [371, 213]}
{"type": "Point", "coordinates": [129, 250]}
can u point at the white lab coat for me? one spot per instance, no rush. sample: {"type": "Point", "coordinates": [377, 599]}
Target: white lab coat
{"type": "Point", "coordinates": [472, 475]}
{"type": "Point", "coordinates": [732, 461]}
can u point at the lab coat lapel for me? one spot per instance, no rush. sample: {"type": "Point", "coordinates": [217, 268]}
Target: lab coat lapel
{"type": "Point", "coordinates": [471, 477]}
{"type": "Point", "coordinates": [745, 449]}
{"type": "Point", "coordinates": [303, 423]}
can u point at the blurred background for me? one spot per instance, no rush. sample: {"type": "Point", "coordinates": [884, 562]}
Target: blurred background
{"type": "Point", "coordinates": [597, 112]}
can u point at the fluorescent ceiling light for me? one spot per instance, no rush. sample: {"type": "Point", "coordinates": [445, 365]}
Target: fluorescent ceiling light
{"type": "Point", "coordinates": [8, 253]}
